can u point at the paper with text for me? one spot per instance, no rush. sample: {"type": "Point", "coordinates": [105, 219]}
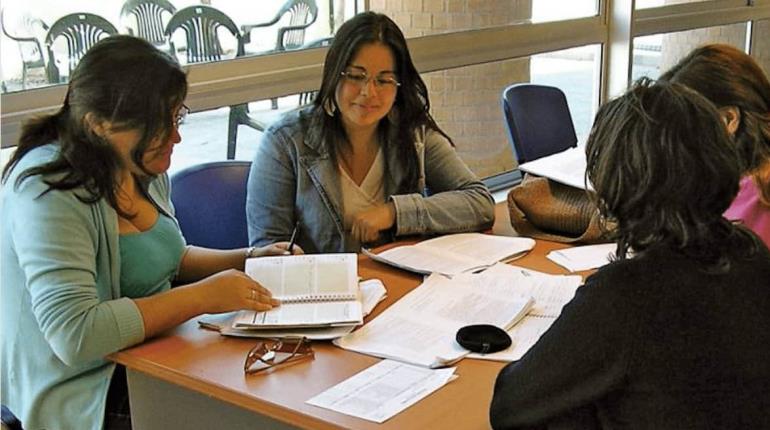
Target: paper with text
{"type": "Point", "coordinates": [383, 390]}
{"type": "Point", "coordinates": [421, 327]}
{"type": "Point", "coordinates": [454, 253]}
{"type": "Point", "coordinates": [315, 290]}
{"type": "Point", "coordinates": [550, 293]}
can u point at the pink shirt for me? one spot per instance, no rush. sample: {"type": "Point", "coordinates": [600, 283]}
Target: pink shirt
{"type": "Point", "coordinates": [747, 208]}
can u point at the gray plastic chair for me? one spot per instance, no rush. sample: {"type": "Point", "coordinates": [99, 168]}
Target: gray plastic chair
{"type": "Point", "coordinates": [81, 31]}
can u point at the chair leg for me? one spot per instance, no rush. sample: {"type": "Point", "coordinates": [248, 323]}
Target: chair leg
{"type": "Point", "coordinates": [274, 103]}
{"type": "Point", "coordinates": [232, 129]}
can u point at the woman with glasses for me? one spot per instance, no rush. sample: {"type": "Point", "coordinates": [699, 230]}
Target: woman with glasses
{"type": "Point", "coordinates": [736, 84]}
{"type": "Point", "coordinates": [354, 168]}
{"type": "Point", "coordinates": [672, 335]}
{"type": "Point", "coordinates": [90, 245]}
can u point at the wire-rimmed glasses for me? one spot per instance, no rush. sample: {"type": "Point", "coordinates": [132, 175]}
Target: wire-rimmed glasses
{"type": "Point", "coordinates": [382, 81]}
{"type": "Point", "coordinates": [269, 353]}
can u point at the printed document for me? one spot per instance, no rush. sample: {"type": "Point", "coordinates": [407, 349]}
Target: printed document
{"type": "Point", "coordinates": [567, 167]}
{"type": "Point", "coordinates": [315, 290]}
{"type": "Point", "coordinates": [383, 390]}
{"type": "Point", "coordinates": [583, 257]}
{"type": "Point", "coordinates": [454, 253]}
{"type": "Point", "coordinates": [550, 293]}
{"type": "Point", "coordinates": [421, 327]}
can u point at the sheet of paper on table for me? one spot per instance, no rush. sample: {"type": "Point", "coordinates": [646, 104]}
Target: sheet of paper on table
{"type": "Point", "coordinates": [583, 257]}
{"type": "Point", "coordinates": [550, 293]}
{"type": "Point", "coordinates": [383, 390]}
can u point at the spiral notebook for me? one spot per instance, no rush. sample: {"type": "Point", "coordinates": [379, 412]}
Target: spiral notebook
{"type": "Point", "coordinates": [319, 290]}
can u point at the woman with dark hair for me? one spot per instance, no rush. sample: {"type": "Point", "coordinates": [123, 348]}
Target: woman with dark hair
{"type": "Point", "coordinates": [736, 84]}
{"type": "Point", "coordinates": [353, 168]}
{"type": "Point", "coordinates": [90, 245]}
{"type": "Point", "coordinates": [673, 334]}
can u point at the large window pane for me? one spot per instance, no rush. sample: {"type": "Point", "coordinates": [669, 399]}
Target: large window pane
{"type": "Point", "coordinates": [466, 101]}
{"type": "Point", "coordinates": [654, 54]}
{"type": "Point", "coordinates": [30, 20]}
{"type": "Point", "coordinates": [761, 48]}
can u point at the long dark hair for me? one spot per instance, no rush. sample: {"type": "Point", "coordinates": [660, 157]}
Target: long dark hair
{"type": "Point", "coordinates": [411, 109]}
{"type": "Point", "coordinates": [728, 76]}
{"type": "Point", "coordinates": [121, 79]}
{"type": "Point", "coordinates": [664, 170]}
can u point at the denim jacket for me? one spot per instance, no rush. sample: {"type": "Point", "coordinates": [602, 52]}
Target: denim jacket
{"type": "Point", "coordinates": [293, 179]}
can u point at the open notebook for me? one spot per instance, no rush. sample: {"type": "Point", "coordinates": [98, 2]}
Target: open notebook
{"type": "Point", "coordinates": [319, 290]}
{"type": "Point", "coordinates": [453, 254]}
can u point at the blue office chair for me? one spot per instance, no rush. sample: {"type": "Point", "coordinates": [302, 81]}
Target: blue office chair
{"type": "Point", "coordinates": [210, 203]}
{"type": "Point", "coordinates": [538, 121]}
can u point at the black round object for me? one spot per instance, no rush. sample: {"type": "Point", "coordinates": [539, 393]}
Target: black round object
{"type": "Point", "coordinates": [483, 338]}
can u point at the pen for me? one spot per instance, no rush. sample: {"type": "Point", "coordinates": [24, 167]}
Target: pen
{"type": "Point", "coordinates": [293, 238]}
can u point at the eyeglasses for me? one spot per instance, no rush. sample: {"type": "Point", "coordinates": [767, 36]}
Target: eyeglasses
{"type": "Point", "coordinates": [271, 353]}
{"type": "Point", "coordinates": [383, 81]}
{"type": "Point", "coordinates": [181, 115]}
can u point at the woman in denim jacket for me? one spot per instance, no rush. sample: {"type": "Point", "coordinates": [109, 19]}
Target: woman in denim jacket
{"type": "Point", "coordinates": [354, 167]}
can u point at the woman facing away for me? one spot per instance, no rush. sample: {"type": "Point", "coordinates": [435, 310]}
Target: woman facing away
{"type": "Point", "coordinates": [736, 84]}
{"type": "Point", "coordinates": [353, 168]}
{"type": "Point", "coordinates": [90, 245]}
{"type": "Point", "coordinates": [672, 335]}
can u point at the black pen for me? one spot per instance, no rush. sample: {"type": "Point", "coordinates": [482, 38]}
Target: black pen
{"type": "Point", "coordinates": [293, 238]}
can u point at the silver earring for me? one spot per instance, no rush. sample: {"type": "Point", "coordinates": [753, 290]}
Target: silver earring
{"type": "Point", "coordinates": [329, 107]}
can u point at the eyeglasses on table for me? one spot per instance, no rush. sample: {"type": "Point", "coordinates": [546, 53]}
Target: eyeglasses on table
{"type": "Point", "coordinates": [271, 353]}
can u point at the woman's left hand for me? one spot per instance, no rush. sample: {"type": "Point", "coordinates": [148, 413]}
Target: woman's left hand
{"type": "Point", "coordinates": [368, 224]}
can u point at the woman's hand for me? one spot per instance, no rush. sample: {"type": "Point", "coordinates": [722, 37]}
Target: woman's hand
{"type": "Point", "coordinates": [278, 248]}
{"type": "Point", "coordinates": [233, 290]}
{"type": "Point", "coordinates": [368, 224]}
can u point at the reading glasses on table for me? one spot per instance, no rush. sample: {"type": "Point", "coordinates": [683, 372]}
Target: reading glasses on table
{"type": "Point", "coordinates": [272, 353]}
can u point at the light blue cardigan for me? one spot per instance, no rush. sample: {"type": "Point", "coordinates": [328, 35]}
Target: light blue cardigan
{"type": "Point", "coordinates": [61, 308]}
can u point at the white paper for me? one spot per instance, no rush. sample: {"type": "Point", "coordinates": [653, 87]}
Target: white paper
{"type": "Point", "coordinates": [383, 390]}
{"type": "Point", "coordinates": [583, 257]}
{"type": "Point", "coordinates": [454, 253]}
{"type": "Point", "coordinates": [421, 327]}
{"type": "Point", "coordinates": [550, 293]}
{"type": "Point", "coordinates": [567, 167]}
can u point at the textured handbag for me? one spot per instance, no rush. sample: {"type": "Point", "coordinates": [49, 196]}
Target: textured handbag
{"type": "Point", "coordinates": [544, 209]}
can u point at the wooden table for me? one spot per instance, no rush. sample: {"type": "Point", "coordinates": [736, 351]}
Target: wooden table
{"type": "Point", "coordinates": [193, 378]}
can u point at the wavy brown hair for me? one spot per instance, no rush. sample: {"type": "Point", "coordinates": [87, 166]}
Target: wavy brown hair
{"type": "Point", "coordinates": [664, 171]}
{"type": "Point", "coordinates": [121, 79]}
{"type": "Point", "coordinates": [728, 76]}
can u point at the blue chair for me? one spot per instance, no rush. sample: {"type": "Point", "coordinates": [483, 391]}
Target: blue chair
{"type": "Point", "coordinates": [210, 203]}
{"type": "Point", "coordinates": [538, 121]}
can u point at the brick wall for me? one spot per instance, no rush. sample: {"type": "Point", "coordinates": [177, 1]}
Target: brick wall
{"type": "Point", "coordinates": [466, 101]}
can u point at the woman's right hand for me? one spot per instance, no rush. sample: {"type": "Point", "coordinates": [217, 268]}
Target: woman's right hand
{"type": "Point", "coordinates": [232, 290]}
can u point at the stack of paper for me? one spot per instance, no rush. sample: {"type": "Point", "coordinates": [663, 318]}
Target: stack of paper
{"type": "Point", "coordinates": [372, 293]}
{"type": "Point", "coordinates": [583, 257]}
{"type": "Point", "coordinates": [421, 327]}
{"type": "Point", "coordinates": [454, 253]}
{"type": "Point", "coordinates": [550, 294]}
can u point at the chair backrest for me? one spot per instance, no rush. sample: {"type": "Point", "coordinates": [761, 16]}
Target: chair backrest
{"type": "Point", "coordinates": [148, 16]}
{"type": "Point", "coordinates": [538, 121]}
{"type": "Point", "coordinates": [302, 13]}
{"type": "Point", "coordinates": [200, 24]}
{"type": "Point", "coordinates": [30, 49]}
{"type": "Point", "coordinates": [210, 203]}
{"type": "Point", "coordinates": [81, 31]}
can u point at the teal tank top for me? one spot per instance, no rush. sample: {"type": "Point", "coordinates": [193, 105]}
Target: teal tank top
{"type": "Point", "coordinates": [149, 260]}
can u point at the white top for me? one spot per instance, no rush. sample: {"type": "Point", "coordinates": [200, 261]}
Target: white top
{"type": "Point", "coordinates": [369, 194]}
